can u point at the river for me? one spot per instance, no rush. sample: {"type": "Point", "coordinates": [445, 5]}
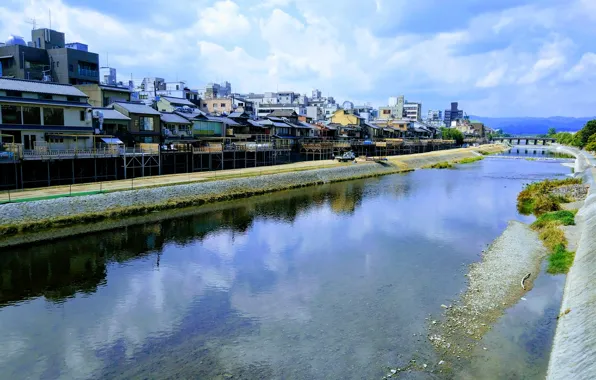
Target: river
{"type": "Point", "coordinates": [328, 282]}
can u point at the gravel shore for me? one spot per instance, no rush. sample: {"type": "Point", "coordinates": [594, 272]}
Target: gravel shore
{"type": "Point", "coordinates": [494, 285]}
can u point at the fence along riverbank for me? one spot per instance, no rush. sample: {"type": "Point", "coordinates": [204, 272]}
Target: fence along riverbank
{"type": "Point", "coordinates": [61, 212]}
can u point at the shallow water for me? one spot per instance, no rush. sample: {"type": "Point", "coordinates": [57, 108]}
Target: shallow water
{"type": "Point", "coordinates": [324, 282]}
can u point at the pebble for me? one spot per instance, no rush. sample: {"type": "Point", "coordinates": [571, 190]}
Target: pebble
{"type": "Point", "coordinates": [441, 362]}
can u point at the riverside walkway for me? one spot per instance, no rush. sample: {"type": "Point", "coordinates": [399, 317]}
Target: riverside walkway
{"type": "Point", "coordinates": [405, 161]}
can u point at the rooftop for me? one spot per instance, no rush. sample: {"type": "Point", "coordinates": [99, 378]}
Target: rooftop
{"type": "Point", "coordinates": [111, 114]}
{"type": "Point", "coordinates": [139, 108]}
{"type": "Point", "coordinates": [178, 101]}
{"type": "Point", "coordinates": [38, 87]}
{"type": "Point", "coordinates": [173, 118]}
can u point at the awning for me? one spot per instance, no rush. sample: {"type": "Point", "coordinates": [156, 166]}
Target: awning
{"type": "Point", "coordinates": [112, 141]}
{"type": "Point", "coordinates": [6, 56]}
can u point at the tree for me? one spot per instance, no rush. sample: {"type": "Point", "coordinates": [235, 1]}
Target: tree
{"type": "Point", "coordinates": [551, 132]}
{"type": "Point", "coordinates": [452, 134]}
{"type": "Point", "coordinates": [588, 130]}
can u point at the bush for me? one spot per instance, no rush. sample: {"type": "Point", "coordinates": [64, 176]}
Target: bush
{"type": "Point", "coordinates": [545, 203]}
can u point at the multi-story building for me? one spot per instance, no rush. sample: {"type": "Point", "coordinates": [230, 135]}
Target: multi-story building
{"type": "Point", "coordinates": [394, 110]}
{"type": "Point", "coordinates": [107, 75]}
{"type": "Point", "coordinates": [49, 58]}
{"type": "Point", "coordinates": [453, 114]}
{"type": "Point", "coordinates": [36, 114]}
{"type": "Point", "coordinates": [413, 111]}
{"type": "Point", "coordinates": [435, 115]}
{"type": "Point", "coordinates": [217, 90]}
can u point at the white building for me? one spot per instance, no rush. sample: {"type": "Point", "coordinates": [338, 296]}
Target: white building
{"type": "Point", "coordinates": [413, 111]}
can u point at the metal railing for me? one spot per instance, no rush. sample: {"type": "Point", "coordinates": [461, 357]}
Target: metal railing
{"type": "Point", "coordinates": [69, 153]}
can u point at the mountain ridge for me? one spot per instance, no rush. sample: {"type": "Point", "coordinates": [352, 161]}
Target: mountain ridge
{"type": "Point", "coordinates": [534, 125]}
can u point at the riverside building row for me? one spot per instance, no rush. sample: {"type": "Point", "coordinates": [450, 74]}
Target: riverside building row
{"type": "Point", "coordinates": [56, 134]}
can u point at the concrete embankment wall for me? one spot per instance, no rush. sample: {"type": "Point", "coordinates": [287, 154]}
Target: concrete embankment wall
{"type": "Point", "coordinates": [573, 354]}
{"type": "Point", "coordinates": [64, 211]}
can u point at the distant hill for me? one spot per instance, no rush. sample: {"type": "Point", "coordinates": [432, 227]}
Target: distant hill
{"type": "Point", "coordinates": [534, 125]}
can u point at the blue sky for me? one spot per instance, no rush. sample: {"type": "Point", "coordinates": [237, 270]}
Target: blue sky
{"type": "Point", "coordinates": [497, 58]}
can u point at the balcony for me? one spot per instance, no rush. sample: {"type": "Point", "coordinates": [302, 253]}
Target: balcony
{"type": "Point", "coordinates": [88, 73]}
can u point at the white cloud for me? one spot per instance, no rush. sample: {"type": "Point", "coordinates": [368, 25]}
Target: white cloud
{"type": "Point", "coordinates": [259, 47]}
{"type": "Point", "coordinates": [552, 57]}
{"type": "Point", "coordinates": [223, 19]}
{"type": "Point", "coordinates": [585, 68]}
{"type": "Point", "coordinates": [493, 78]}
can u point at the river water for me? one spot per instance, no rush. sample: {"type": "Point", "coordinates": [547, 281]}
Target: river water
{"type": "Point", "coordinates": [328, 282]}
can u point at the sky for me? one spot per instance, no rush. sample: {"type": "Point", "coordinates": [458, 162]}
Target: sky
{"type": "Point", "coordinates": [497, 58]}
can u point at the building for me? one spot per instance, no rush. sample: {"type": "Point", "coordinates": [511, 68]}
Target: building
{"type": "Point", "coordinates": [145, 122]}
{"type": "Point", "coordinates": [216, 90]}
{"type": "Point", "coordinates": [102, 95]}
{"type": "Point", "coordinates": [435, 115]}
{"type": "Point", "coordinates": [453, 114]}
{"type": "Point", "coordinates": [107, 75]}
{"type": "Point", "coordinates": [171, 104]}
{"type": "Point", "coordinates": [174, 125]}
{"type": "Point", "coordinates": [413, 111]}
{"type": "Point", "coordinates": [44, 115]}
{"type": "Point", "coordinates": [49, 58]}
{"type": "Point", "coordinates": [395, 109]}
{"type": "Point", "coordinates": [108, 121]}
{"type": "Point", "coordinates": [265, 109]}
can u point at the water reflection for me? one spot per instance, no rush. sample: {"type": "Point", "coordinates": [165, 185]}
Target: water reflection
{"type": "Point", "coordinates": [325, 282]}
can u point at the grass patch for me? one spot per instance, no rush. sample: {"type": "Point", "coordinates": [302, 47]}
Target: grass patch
{"type": "Point", "coordinates": [552, 236]}
{"type": "Point", "coordinates": [439, 165]}
{"type": "Point", "coordinates": [563, 217]}
{"type": "Point", "coordinates": [537, 198]}
{"type": "Point", "coordinates": [469, 160]}
{"type": "Point", "coordinates": [560, 261]}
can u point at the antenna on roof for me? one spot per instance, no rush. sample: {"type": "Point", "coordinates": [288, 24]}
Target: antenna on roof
{"type": "Point", "coordinates": [32, 22]}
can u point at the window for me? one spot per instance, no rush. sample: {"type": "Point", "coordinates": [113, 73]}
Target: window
{"type": "Point", "coordinates": [386, 112]}
{"type": "Point", "coordinates": [223, 105]}
{"type": "Point", "coordinates": [11, 114]}
{"type": "Point", "coordinates": [146, 123]}
{"type": "Point", "coordinates": [70, 68]}
{"type": "Point", "coordinates": [58, 64]}
{"type": "Point", "coordinates": [204, 105]}
{"type": "Point", "coordinates": [214, 105]}
{"type": "Point", "coordinates": [177, 87]}
{"type": "Point", "coordinates": [53, 116]}
{"type": "Point", "coordinates": [14, 94]}
{"type": "Point", "coordinates": [73, 99]}
{"type": "Point", "coordinates": [240, 104]}
{"type": "Point", "coordinates": [45, 96]}
{"type": "Point", "coordinates": [82, 115]}
{"type": "Point", "coordinates": [32, 115]}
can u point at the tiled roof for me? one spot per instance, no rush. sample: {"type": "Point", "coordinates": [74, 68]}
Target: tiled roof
{"type": "Point", "coordinates": [180, 101]}
{"type": "Point", "coordinates": [283, 113]}
{"type": "Point", "coordinates": [139, 108]}
{"type": "Point", "coordinates": [114, 88]}
{"type": "Point", "coordinates": [34, 86]}
{"type": "Point", "coordinates": [173, 118]}
{"type": "Point", "coordinates": [111, 114]}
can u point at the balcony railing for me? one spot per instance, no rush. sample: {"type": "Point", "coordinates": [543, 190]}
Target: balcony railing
{"type": "Point", "coordinates": [88, 73]}
{"type": "Point", "coordinates": [44, 153]}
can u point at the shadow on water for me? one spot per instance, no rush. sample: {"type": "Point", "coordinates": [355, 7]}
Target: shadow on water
{"type": "Point", "coordinates": [333, 281]}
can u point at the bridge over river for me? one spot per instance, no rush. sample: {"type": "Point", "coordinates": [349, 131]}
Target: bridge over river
{"type": "Point", "coordinates": [528, 139]}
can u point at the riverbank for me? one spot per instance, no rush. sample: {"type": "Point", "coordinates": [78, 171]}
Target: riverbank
{"type": "Point", "coordinates": [574, 346]}
{"type": "Point", "coordinates": [505, 273]}
{"type": "Point", "coordinates": [16, 218]}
